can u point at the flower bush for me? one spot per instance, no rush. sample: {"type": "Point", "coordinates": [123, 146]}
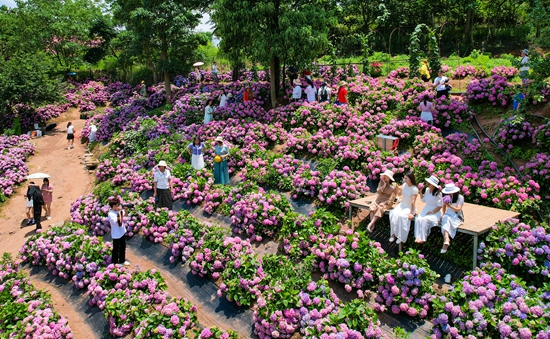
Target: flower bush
{"type": "Point", "coordinates": [490, 303]}
{"type": "Point", "coordinates": [27, 312]}
{"type": "Point", "coordinates": [504, 71]}
{"type": "Point", "coordinates": [513, 131]}
{"type": "Point", "coordinates": [352, 259]}
{"type": "Point", "coordinates": [352, 320]}
{"type": "Point", "coordinates": [14, 150]}
{"type": "Point", "coordinates": [537, 169]}
{"type": "Point", "coordinates": [243, 280]}
{"type": "Point", "coordinates": [67, 252]}
{"type": "Point", "coordinates": [406, 285]}
{"type": "Point", "coordinates": [339, 187]}
{"type": "Point", "coordinates": [172, 319]}
{"type": "Point", "coordinates": [495, 91]}
{"type": "Point", "coordinates": [259, 214]}
{"type": "Point", "coordinates": [216, 333]}
{"type": "Point", "coordinates": [520, 249]}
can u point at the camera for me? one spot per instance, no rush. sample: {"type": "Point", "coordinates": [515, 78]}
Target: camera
{"type": "Point", "coordinates": [128, 205]}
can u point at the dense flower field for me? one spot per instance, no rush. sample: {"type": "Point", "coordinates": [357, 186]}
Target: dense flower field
{"type": "Point", "coordinates": [14, 150]}
{"type": "Point", "coordinates": [319, 152]}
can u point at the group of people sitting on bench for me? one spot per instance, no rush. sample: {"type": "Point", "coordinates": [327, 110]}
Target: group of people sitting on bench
{"type": "Point", "coordinates": [443, 208]}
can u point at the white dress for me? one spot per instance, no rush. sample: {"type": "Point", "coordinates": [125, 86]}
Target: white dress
{"type": "Point", "coordinates": [223, 100]}
{"type": "Point", "coordinates": [451, 220]}
{"type": "Point", "coordinates": [399, 216]}
{"type": "Point", "coordinates": [424, 222]}
{"type": "Point", "coordinates": [310, 91]}
{"type": "Point", "coordinates": [208, 114]}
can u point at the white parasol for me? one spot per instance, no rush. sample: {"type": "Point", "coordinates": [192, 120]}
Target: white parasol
{"type": "Point", "coordinates": [38, 176]}
{"type": "Point", "coordinates": [198, 63]}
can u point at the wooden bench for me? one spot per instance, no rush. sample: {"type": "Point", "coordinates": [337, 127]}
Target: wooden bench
{"type": "Point", "coordinates": [478, 219]}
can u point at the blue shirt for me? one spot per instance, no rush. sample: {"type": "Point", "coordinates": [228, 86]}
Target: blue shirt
{"type": "Point", "coordinates": [196, 150]}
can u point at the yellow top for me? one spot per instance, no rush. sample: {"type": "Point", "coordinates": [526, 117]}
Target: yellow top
{"type": "Point", "coordinates": [424, 71]}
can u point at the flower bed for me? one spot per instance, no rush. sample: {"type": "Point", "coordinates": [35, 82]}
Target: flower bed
{"type": "Point", "coordinates": [14, 150]}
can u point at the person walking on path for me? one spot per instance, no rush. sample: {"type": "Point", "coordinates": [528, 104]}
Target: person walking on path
{"type": "Point", "coordinates": [524, 62]}
{"type": "Point", "coordinates": [195, 150]}
{"type": "Point", "coordinates": [35, 195]}
{"type": "Point", "coordinates": [402, 214]}
{"type": "Point", "coordinates": [310, 91]}
{"type": "Point", "coordinates": [221, 171]}
{"type": "Point", "coordinates": [424, 71]}
{"type": "Point", "coordinates": [426, 108]}
{"type": "Point", "coordinates": [297, 91]}
{"type": "Point", "coordinates": [324, 92]}
{"type": "Point", "coordinates": [28, 207]}
{"type": "Point", "coordinates": [47, 195]}
{"type": "Point", "coordinates": [118, 232]}
{"type": "Point", "coordinates": [384, 199]}
{"type": "Point", "coordinates": [215, 72]}
{"type": "Point", "coordinates": [342, 94]}
{"type": "Point", "coordinates": [431, 214]}
{"type": "Point", "coordinates": [162, 186]}
{"type": "Point", "coordinates": [70, 135]}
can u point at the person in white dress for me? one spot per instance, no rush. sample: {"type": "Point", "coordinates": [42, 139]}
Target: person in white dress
{"type": "Point", "coordinates": [195, 150]}
{"type": "Point", "coordinates": [208, 112]}
{"type": "Point", "coordinates": [297, 91]}
{"type": "Point", "coordinates": [452, 213]}
{"type": "Point", "coordinates": [402, 214]}
{"type": "Point", "coordinates": [431, 214]}
{"type": "Point", "coordinates": [311, 91]}
{"type": "Point", "coordinates": [223, 99]}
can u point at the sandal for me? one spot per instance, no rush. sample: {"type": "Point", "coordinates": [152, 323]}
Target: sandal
{"type": "Point", "coordinates": [445, 246]}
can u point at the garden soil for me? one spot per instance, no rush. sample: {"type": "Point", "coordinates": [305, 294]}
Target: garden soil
{"type": "Point", "coordinates": [70, 180]}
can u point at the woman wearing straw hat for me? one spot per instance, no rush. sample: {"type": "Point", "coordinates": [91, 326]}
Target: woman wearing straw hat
{"type": "Point", "coordinates": [162, 186]}
{"type": "Point", "coordinates": [342, 94]}
{"type": "Point", "coordinates": [452, 213]}
{"type": "Point", "coordinates": [431, 214]}
{"type": "Point", "coordinates": [384, 199]}
{"type": "Point", "coordinates": [221, 171]}
{"type": "Point", "coordinates": [402, 214]}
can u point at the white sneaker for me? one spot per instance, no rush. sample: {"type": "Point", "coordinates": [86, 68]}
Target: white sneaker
{"type": "Point", "coordinates": [126, 263]}
{"type": "Point", "coordinates": [448, 278]}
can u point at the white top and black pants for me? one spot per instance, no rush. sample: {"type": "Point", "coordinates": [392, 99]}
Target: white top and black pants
{"type": "Point", "coordinates": [162, 182]}
{"type": "Point", "coordinates": [118, 231]}
{"type": "Point", "coordinates": [441, 87]}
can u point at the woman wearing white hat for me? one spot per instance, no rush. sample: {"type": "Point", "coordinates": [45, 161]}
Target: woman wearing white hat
{"type": "Point", "coordinates": [452, 213]}
{"type": "Point", "coordinates": [524, 62]}
{"type": "Point", "coordinates": [297, 91]}
{"type": "Point", "coordinates": [402, 214]}
{"type": "Point", "coordinates": [431, 214]}
{"type": "Point", "coordinates": [162, 186]}
{"type": "Point", "coordinates": [384, 200]}
{"type": "Point", "coordinates": [221, 171]}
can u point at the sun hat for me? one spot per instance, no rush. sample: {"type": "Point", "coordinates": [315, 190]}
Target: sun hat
{"type": "Point", "coordinates": [526, 51]}
{"type": "Point", "coordinates": [219, 139]}
{"type": "Point", "coordinates": [343, 83]}
{"type": "Point", "coordinates": [297, 82]}
{"type": "Point", "coordinates": [433, 180]}
{"type": "Point", "coordinates": [450, 188]}
{"type": "Point", "coordinates": [162, 163]}
{"type": "Point", "coordinates": [142, 81]}
{"type": "Point", "coordinates": [389, 174]}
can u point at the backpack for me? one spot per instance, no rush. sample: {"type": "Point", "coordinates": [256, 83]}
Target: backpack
{"type": "Point", "coordinates": [324, 93]}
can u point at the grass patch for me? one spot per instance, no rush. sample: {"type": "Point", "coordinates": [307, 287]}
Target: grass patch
{"type": "Point", "coordinates": [160, 110]}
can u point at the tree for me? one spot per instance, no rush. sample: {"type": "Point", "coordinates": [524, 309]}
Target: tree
{"type": "Point", "coordinates": [157, 25]}
{"type": "Point", "coordinates": [272, 31]}
{"type": "Point", "coordinates": [60, 27]}
{"type": "Point", "coordinates": [423, 44]}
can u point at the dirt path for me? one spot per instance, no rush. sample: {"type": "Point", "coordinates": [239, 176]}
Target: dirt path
{"type": "Point", "coordinates": [70, 180]}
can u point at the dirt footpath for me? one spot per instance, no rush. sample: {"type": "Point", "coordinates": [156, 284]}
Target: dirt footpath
{"type": "Point", "coordinates": [70, 180]}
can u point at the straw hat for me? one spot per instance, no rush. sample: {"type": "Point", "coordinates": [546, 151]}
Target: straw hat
{"type": "Point", "coordinates": [162, 163]}
{"type": "Point", "coordinates": [389, 174]}
{"type": "Point", "coordinates": [450, 188]}
{"type": "Point", "coordinates": [219, 139]}
{"type": "Point", "coordinates": [433, 180]}
{"type": "Point", "coordinates": [343, 83]}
